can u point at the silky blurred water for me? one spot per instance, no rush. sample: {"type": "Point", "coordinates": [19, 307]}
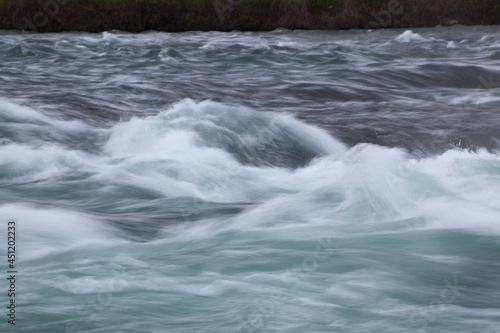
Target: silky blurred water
{"type": "Point", "coordinates": [287, 181]}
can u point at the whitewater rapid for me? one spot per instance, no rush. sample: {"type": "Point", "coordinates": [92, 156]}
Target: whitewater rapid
{"type": "Point", "coordinates": [289, 174]}
{"type": "Point", "coordinates": [345, 189]}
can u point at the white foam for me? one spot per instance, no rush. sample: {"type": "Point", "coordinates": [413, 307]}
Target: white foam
{"type": "Point", "coordinates": [247, 43]}
{"type": "Point", "coordinates": [294, 45]}
{"type": "Point", "coordinates": [372, 189]}
{"type": "Point", "coordinates": [191, 139]}
{"type": "Point", "coordinates": [366, 183]}
{"type": "Point", "coordinates": [90, 285]}
{"type": "Point", "coordinates": [13, 113]}
{"type": "Point", "coordinates": [189, 150]}
{"type": "Point", "coordinates": [43, 231]}
{"type": "Point", "coordinates": [409, 36]}
{"type": "Point", "coordinates": [108, 36]}
{"type": "Point", "coordinates": [186, 121]}
{"type": "Point", "coordinates": [24, 163]}
{"type": "Point", "coordinates": [476, 98]}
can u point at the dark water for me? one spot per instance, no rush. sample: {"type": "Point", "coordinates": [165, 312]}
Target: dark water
{"type": "Point", "coordinates": [289, 181]}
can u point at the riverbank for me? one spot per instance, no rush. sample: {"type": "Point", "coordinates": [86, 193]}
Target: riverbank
{"type": "Point", "coordinates": [252, 15]}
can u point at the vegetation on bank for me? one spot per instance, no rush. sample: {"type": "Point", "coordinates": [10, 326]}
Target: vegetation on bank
{"type": "Point", "coordinates": [225, 15]}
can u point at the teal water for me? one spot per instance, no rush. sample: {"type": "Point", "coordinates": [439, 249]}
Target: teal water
{"type": "Point", "coordinates": [289, 181]}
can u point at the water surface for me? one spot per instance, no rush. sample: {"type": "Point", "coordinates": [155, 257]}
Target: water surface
{"type": "Point", "coordinates": [288, 181]}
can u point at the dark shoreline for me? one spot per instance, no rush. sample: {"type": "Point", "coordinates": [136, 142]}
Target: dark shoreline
{"type": "Point", "coordinates": [244, 15]}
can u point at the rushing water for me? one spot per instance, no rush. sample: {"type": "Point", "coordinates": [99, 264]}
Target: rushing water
{"type": "Point", "coordinates": [289, 181]}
